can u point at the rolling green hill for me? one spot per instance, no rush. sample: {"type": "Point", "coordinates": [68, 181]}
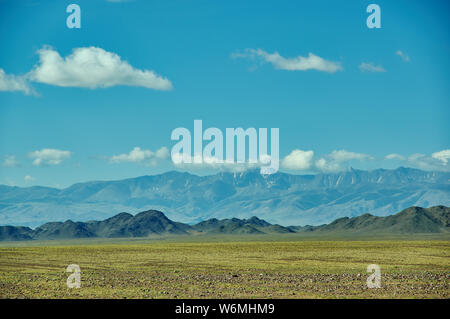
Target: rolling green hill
{"type": "Point", "coordinates": [15, 233]}
{"type": "Point", "coordinates": [413, 220]}
{"type": "Point", "coordinates": [253, 225]}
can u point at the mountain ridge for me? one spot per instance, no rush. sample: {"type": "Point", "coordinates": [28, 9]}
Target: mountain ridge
{"type": "Point", "coordinates": [280, 198]}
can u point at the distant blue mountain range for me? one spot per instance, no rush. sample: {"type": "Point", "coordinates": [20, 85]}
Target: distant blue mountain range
{"type": "Point", "coordinates": [280, 198]}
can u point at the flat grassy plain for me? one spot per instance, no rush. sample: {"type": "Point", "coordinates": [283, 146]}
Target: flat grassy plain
{"type": "Point", "coordinates": [227, 267]}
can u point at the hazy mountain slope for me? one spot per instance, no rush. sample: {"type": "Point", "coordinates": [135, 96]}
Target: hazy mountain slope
{"type": "Point", "coordinates": [279, 198]}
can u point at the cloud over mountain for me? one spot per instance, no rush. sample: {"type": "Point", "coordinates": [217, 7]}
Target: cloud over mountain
{"type": "Point", "coordinates": [138, 155]}
{"type": "Point", "coordinates": [443, 156]}
{"type": "Point", "coordinates": [298, 160]}
{"type": "Point", "coordinates": [436, 161]}
{"type": "Point", "coordinates": [395, 156]}
{"type": "Point", "coordinates": [332, 162]}
{"type": "Point", "coordinates": [304, 160]}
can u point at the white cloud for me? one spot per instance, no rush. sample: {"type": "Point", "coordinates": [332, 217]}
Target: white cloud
{"type": "Point", "coordinates": [162, 153]}
{"type": "Point", "coordinates": [197, 162]}
{"type": "Point", "coordinates": [395, 156]}
{"type": "Point", "coordinates": [48, 156]}
{"type": "Point", "coordinates": [92, 67]}
{"type": "Point", "coordinates": [332, 162]}
{"type": "Point", "coordinates": [10, 161]}
{"type": "Point", "coordinates": [443, 156]}
{"type": "Point", "coordinates": [370, 67]}
{"type": "Point", "coordinates": [298, 160]}
{"type": "Point", "coordinates": [29, 178]}
{"type": "Point", "coordinates": [403, 55]}
{"type": "Point", "coordinates": [135, 155]}
{"type": "Point", "coordinates": [437, 161]}
{"type": "Point", "coordinates": [10, 82]}
{"type": "Point", "coordinates": [138, 155]}
{"type": "Point", "coordinates": [327, 166]}
{"type": "Point", "coordinates": [311, 62]}
{"type": "Point", "coordinates": [420, 161]}
{"type": "Point", "coordinates": [343, 156]}
{"type": "Point", "coordinates": [304, 160]}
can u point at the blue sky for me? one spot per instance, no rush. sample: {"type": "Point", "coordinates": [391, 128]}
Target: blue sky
{"type": "Point", "coordinates": [390, 95]}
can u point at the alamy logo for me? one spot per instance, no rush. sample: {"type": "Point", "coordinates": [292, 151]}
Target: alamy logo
{"type": "Point", "coordinates": [74, 19]}
{"type": "Point", "coordinates": [374, 19]}
{"type": "Point", "coordinates": [374, 280]}
{"type": "Point", "coordinates": [213, 152]}
{"type": "Point", "coordinates": [74, 280]}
